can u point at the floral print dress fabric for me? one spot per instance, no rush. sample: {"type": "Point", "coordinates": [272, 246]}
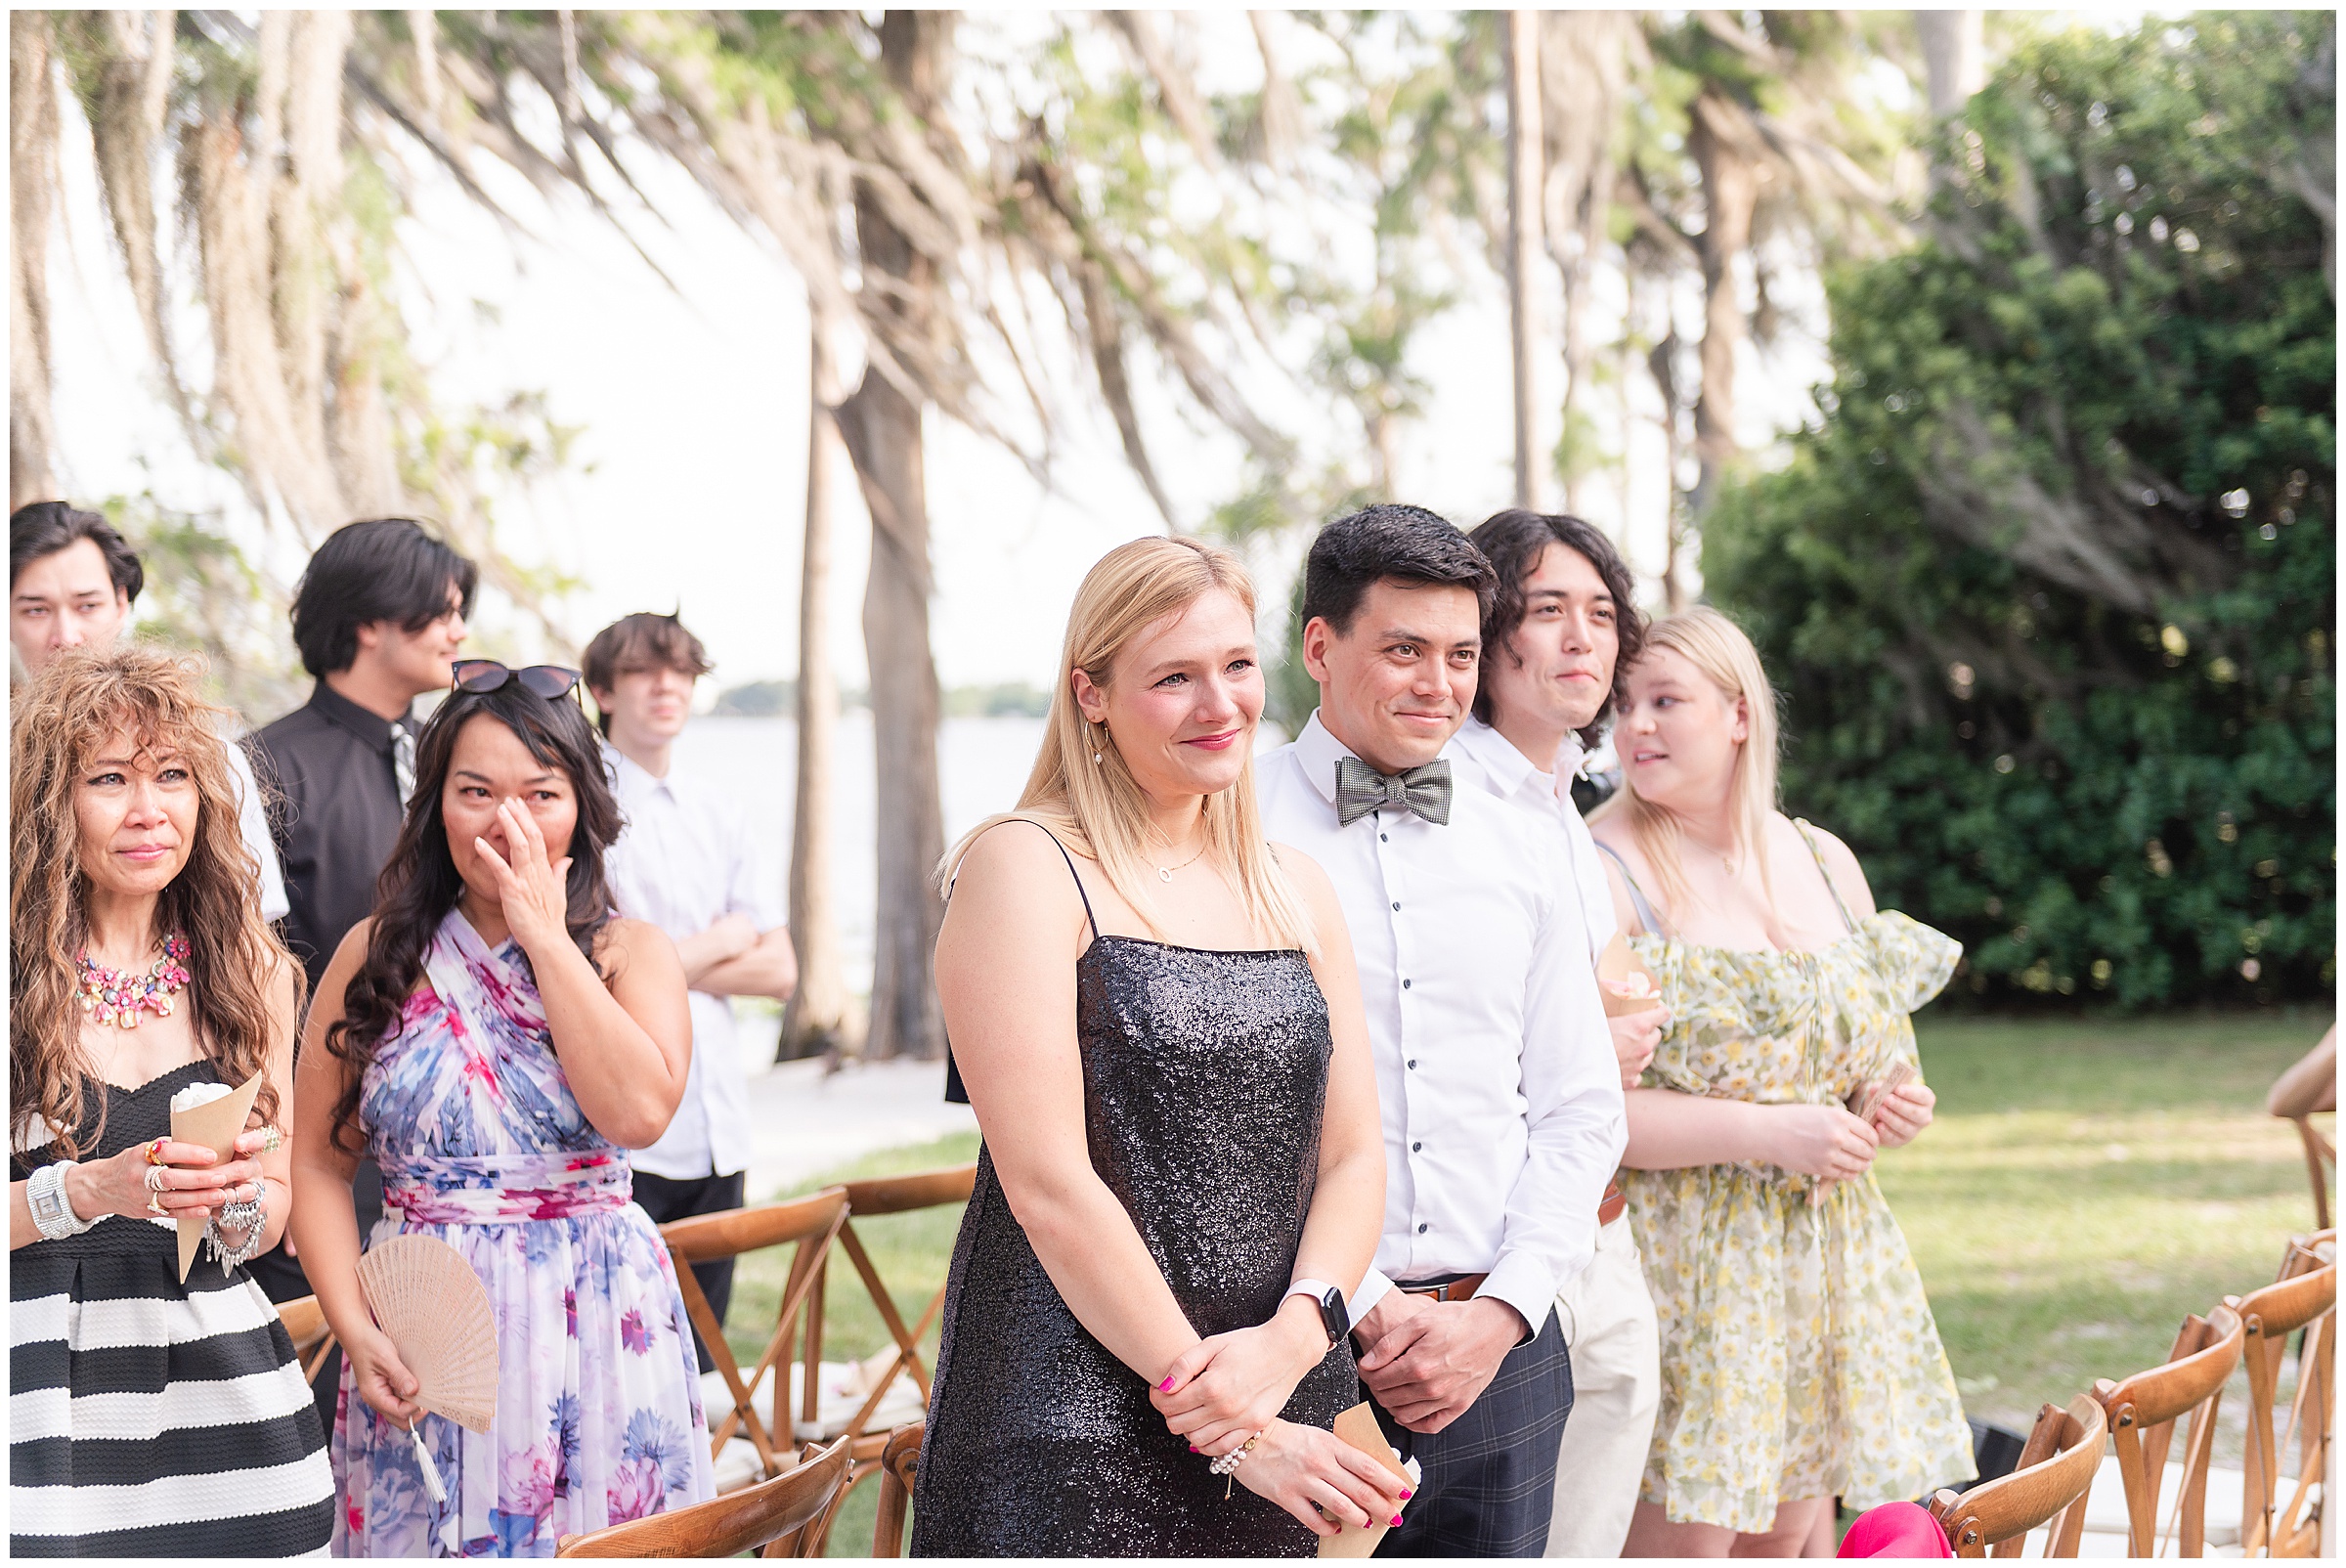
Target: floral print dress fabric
{"type": "Point", "coordinates": [482, 1144]}
{"type": "Point", "coordinates": [1799, 1355]}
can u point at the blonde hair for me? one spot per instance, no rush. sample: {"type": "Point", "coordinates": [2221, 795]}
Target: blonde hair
{"type": "Point", "coordinates": [1719, 651]}
{"type": "Point", "coordinates": [1096, 807]}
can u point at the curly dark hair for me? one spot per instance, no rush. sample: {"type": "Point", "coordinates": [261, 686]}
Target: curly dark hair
{"type": "Point", "coordinates": [1513, 541]}
{"type": "Point", "coordinates": [1388, 540]}
{"type": "Point", "coordinates": [81, 700]}
{"type": "Point", "coordinates": [420, 884]}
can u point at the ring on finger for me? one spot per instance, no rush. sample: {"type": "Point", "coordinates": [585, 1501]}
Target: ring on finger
{"type": "Point", "coordinates": [154, 1178]}
{"type": "Point", "coordinates": [154, 1202]}
{"type": "Point", "coordinates": [271, 1140]}
{"type": "Point", "coordinates": [154, 1152]}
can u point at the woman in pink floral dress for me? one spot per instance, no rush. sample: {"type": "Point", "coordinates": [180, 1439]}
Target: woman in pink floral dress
{"type": "Point", "coordinates": [499, 1041]}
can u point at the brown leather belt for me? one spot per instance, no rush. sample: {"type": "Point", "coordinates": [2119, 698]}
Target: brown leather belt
{"type": "Point", "coordinates": [1611, 1206]}
{"type": "Point", "coordinates": [1461, 1288]}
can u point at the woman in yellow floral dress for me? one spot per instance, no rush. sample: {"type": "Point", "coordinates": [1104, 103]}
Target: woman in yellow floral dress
{"type": "Point", "coordinates": [1799, 1361]}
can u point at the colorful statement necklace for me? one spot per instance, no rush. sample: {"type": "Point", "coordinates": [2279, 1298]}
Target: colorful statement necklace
{"type": "Point", "coordinates": [118, 996]}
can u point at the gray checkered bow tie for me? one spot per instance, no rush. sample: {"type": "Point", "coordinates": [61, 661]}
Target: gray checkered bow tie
{"type": "Point", "coordinates": [1362, 788]}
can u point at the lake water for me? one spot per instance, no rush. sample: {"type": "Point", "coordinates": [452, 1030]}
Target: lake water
{"type": "Point", "coordinates": [981, 767]}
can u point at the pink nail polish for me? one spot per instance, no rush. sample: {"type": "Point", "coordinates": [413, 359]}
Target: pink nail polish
{"type": "Point", "coordinates": [1166, 1387]}
{"type": "Point", "coordinates": [1405, 1495]}
{"type": "Point", "coordinates": [1396, 1520]}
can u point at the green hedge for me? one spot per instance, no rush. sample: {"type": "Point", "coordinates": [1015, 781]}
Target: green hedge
{"type": "Point", "coordinates": [2050, 590]}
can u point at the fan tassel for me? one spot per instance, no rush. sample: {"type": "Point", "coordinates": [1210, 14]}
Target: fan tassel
{"type": "Point", "coordinates": [433, 1486]}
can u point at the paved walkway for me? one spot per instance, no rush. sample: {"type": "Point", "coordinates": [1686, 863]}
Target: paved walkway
{"type": "Point", "coordinates": [803, 1123]}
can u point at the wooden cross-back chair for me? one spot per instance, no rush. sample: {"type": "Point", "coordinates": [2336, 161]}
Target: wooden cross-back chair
{"type": "Point", "coordinates": [2143, 1410]}
{"type": "Point", "coordinates": [2305, 1297]}
{"type": "Point", "coordinates": [2310, 1086]}
{"type": "Point", "coordinates": [305, 1325]}
{"type": "Point", "coordinates": [868, 1199]}
{"type": "Point", "coordinates": [899, 1464]}
{"type": "Point", "coordinates": [812, 1223]}
{"type": "Point", "coordinates": [2056, 1471]}
{"type": "Point", "coordinates": [770, 1517]}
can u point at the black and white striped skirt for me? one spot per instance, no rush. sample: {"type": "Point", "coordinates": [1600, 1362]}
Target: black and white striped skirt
{"type": "Point", "coordinates": [150, 1419]}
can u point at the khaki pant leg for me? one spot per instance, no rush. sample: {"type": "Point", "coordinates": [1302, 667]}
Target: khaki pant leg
{"type": "Point", "coordinates": [1608, 1321]}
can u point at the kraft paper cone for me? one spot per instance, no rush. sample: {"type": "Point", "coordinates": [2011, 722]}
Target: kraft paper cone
{"type": "Point", "coordinates": [1618, 964]}
{"type": "Point", "coordinates": [215, 1125]}
{"type": "Point", "coordinates": [1358, 1426]}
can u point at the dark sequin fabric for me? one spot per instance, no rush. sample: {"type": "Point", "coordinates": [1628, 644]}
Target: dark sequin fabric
{"type": "Point", "coordinates": [1204, 1075]}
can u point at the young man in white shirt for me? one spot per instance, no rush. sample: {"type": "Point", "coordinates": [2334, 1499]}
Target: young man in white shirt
{"type": "Point", "coordinates": [1501, 1104]}
{"type": "Point", "coordinates": [1560, 628]}
{"type": "Point", "coordinates": [684, 862]}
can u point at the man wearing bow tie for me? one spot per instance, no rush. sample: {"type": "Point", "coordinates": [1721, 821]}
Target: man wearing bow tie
{"type": "Point", "coordinates": [1501, 1103]}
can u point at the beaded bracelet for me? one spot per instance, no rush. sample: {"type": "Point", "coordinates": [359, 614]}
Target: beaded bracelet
{"type": "Point", "coordinates": [1226, 1466]}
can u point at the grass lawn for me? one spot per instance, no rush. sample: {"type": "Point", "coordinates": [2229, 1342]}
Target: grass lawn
{"type": "Point", "coordinates": [2086, 1185]}
{"type": "Point", "coordinates": [2089, 1184]}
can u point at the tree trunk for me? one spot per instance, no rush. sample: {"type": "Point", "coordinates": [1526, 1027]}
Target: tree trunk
{"type": "Point", "coordinates": [1522, 56]}
{"type": "Point", "coordinates": [1584, 71]}
{"type": "Point", "coordinates": [32, 160]}
{"type": "Point", "coordinates": [1954, 59]}
{"type": "Point", "coordinates": [816, 1019]}
{"type": "Point", "coordinates": [882, 429]}
{"type": "Point", "coordinates": [1663, 361]}
{"type": "Point", "coordinates": [1722, 154]}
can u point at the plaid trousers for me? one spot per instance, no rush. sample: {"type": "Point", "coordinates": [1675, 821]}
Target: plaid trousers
{"type": "Point", "coordinates": [1490, 1476]}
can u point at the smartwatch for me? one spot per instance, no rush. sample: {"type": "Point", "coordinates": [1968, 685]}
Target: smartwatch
{"type": "Point", "coordinates": [1334, 1315]}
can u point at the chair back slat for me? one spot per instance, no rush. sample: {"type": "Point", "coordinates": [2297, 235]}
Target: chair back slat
{"type": "Point", "coordinates": [2305, 1296]}
{"type": "Point", "coordinates": [899, 1194]}
{"type": "Point", "coordinates": [2141, 1413]}
{"type": "Point", "coordinates": [1998, 1514]}
{"type": "Point", "coordinates": [767, 1515]}
{"type": "Point", "coordinates": [306, 1325]}
{"type": "Point", "coordinates": [899, 1463]}
{"type": "Point", "coordinates": [811, 1223]}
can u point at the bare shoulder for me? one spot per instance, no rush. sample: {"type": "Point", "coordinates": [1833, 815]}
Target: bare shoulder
{"type": "Point", "coordinates": [623, 945]}
{"type": "Point", "coordinates": [1841, 864]}
{"type": "Point", "coordinates": [1309, 879]}
{"type": "Point", "coordinates": [1017, 859]}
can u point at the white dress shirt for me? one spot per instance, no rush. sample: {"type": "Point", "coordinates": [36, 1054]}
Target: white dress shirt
{"type": "Point", "coordinates": [1512, 776]}
{"type": "Point", "coordinates": [684, 860]}
{"type": "Point", "coordinates": [252, 825]}
{"type": "Point", "coordinates": [1500, 1102]}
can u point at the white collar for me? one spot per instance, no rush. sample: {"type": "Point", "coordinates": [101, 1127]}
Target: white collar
{"type": "Point", "coordinates": [1494, 755]}
{"type": "Point", "coordinates": [630, 777]}
{"type": "Point", "coordinates": [1317, 752]}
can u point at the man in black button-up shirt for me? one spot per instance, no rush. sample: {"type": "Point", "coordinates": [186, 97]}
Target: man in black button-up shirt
{"type": "Point", "coordinates": [378, 616]}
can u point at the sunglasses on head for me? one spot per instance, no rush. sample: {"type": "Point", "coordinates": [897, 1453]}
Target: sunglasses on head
{"type": "Point", "coordinates": [552, 681]}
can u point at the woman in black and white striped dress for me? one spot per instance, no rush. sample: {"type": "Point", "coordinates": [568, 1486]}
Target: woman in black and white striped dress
{"type": "Point", "coordinates": [147, 1417]}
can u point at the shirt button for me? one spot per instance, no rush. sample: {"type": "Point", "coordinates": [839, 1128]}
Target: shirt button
{"type": "Point", "coordinates": [1420, 1230]}
{"type": "Point", "coordinates": [1383, 838]}
{"type": "Point", "coordinates": [1397, 909]}
{"type": "Point", "coordinates": [1415, 1147]}
{"type": "Point", "coordinates": [1413, 1062]}
{"type": "Point", "coordinates": [1405, 984]}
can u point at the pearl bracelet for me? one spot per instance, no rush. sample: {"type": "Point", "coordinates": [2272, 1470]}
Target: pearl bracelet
{"type": "Point", "coordinates": [1226, 1466]}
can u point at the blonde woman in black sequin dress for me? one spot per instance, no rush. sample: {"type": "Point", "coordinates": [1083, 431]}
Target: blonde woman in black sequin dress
{"type": "Point", "coordinates": [1156, 1018]}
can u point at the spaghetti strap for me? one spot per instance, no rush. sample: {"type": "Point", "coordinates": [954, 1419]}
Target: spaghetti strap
{"type": "Point", "coordinates": [1645, 910]}
{"type": "Point", "coordinates": [1089, 918]}
{"type": "Point", "coordinates": [1830, 887]}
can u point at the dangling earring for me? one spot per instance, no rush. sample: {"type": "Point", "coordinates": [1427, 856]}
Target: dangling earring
{"type": "Point", "coordinates": [1096, 743]}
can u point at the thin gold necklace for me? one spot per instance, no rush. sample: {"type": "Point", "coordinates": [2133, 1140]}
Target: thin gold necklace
{"type": "Point", "coordinates": [1165, 873]}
